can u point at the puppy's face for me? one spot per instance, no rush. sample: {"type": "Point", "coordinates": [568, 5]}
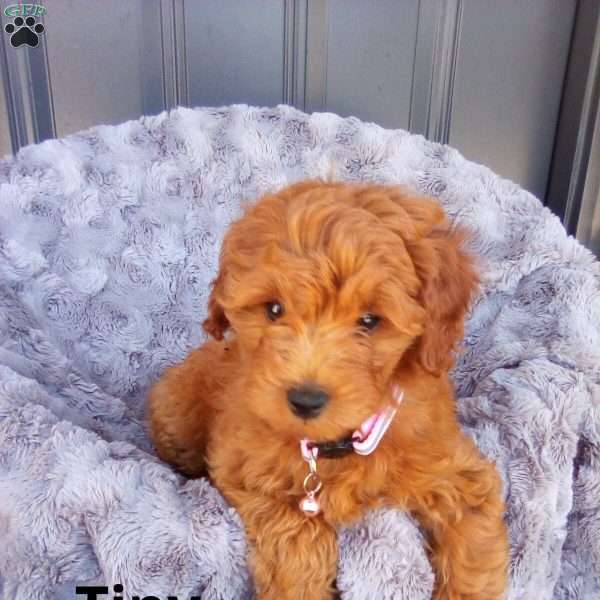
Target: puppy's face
{"type": "Point", "coordinates": [328, 288]}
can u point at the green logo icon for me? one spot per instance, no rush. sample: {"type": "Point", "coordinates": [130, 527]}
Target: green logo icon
{"type": "Point", "coordinates": [25, 10]}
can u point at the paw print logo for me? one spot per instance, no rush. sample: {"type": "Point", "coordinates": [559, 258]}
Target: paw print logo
{"type": "Point", "coordinates": [24, 31]}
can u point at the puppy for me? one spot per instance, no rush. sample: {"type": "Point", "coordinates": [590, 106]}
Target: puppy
{"type": "Point", "coordinates": [325, 392]}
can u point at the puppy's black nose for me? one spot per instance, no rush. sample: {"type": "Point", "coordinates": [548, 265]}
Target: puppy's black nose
{"type": "Point", "coordinates": [306, 401]}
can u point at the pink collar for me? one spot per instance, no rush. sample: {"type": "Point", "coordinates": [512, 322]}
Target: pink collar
{"type": "Point", "coordinates": [363, 441]}
{"type": "Point", "coordinates": [366, 438]}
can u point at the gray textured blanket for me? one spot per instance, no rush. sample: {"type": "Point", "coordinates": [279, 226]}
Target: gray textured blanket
{"type": "Point", "coordinates": [108, 241]}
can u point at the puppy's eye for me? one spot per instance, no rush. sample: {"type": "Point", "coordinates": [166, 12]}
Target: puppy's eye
{"type": "Point", "coordinates": [274, 310]}
{"type": "Point", "coordinates": [368, 321]}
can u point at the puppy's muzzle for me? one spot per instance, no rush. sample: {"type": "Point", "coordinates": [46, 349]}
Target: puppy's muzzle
{"type": "Point", "coordinates": [307, 402]}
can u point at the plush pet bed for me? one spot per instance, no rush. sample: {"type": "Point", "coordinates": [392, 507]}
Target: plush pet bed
{"type": "Point", "coordinates": [108, 242]}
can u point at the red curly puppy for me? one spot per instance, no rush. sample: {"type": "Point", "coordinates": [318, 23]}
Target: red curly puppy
{"type": "Point", "coordinates": [336, 303]}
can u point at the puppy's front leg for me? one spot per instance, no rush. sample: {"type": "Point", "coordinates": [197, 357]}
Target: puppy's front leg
{"type": "Point", "coordinates": [463, 510]}
{"type": "Point", "coordinates": [292, 557]}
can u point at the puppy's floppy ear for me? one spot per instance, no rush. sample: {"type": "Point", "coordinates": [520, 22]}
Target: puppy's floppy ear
{"type": "Point", "coordinates": [448, 280]}
{"type": "Point", "coordinates": [216, 323]}
{"type": "Point", "coordinates": [446, 272]}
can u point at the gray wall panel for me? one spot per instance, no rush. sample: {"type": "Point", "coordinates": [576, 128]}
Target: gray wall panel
{"type": "Point", "coordinates": [370, 55]}
{"type": "Point", "coordinates": [5, 145]}
{"type": "Point", "coordinates": [235, 51]}
{"type": "Point", "coordinates": [588, 230]}
{"type": "Point", "coordinates": [508, 80]}
{"type": "Point", "coordinates": [98, 71]}
{"type": "Point", "coordinates": [580, 107]}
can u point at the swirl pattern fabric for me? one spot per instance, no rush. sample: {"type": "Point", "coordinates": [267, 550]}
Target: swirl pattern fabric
{"type": "Point", "coordinates": [108, 242]}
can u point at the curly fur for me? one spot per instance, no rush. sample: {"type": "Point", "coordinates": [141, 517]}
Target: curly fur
{"type": "Point", "coordinates": [329, 253]}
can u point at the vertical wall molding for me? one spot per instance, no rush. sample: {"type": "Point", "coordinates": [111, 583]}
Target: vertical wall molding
{"type": "Point", "coordinates": [422, 76]}
{"type": "Point", "coordinates": [435, 58]}
{"type": "Point", "coordinates": [588, 223]}
{"type": "Point", "coordinates": [579, 112]}
{"type": "Point", "coordinates": [316, 56]}
{"type": "Point", "coordinates": [295, 30]}
{"type": "Point", "coordinates": [28, 92]}
{"type": "Point", "coordinates": [40, 91]}
{"type": "Point", "coordinates": [11, 81]}
{"type": "Point", "coordinates": [174, 56]}
{"type": "Point", "coordinates": [446, 58]}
